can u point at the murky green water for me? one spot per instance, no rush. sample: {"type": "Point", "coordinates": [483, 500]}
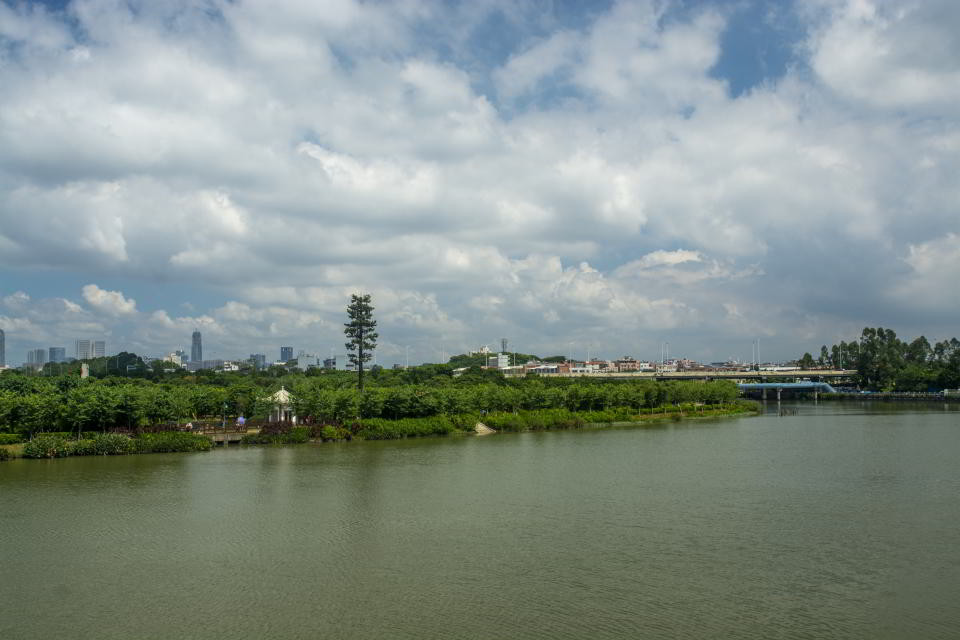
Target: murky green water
{"type": "Point", "coordinates": [839, 522]}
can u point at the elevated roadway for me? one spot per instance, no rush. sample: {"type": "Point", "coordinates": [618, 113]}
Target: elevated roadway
{"type": "Point", "coordinates": [737, 376]}
{"type": "Point", "coordinates": [780, 387]}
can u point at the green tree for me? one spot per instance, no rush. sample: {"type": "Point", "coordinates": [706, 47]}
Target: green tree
{"type": "Point", "coordinates": [361, 331]}
{"type": "Point", "coordinates": [806, 362]}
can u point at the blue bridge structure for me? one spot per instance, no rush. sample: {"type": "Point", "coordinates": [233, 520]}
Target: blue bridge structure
{"type": "Point", "coordinates": [779, 387]}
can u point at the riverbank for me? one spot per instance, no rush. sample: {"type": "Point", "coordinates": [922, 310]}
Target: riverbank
{"type": "Point", "coordinates": [61, 445]}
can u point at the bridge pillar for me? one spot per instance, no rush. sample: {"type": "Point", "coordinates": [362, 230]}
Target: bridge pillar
{"type": "Point", "coordinates": [763, 394]}
{"type": "Point", "coordinates": [778, 394]}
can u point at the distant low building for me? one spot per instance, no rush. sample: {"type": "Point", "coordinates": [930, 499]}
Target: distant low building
{"type": "Point", "coordinates": [499, 361]}
{"type": "Point", "coordinates": [205, 364]}
{"type": "Point", "coordinates": [307, 361]}
{"type": "Point", "coordinates": [338, 363]}
{"type": "Point", "coordinates": [174, 358]}
{"type": "Point", "coordinates": [600, 366]}
{"type": "Point", "coordinates": [667, 367]}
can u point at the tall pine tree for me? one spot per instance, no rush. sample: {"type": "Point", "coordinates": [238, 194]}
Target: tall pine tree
{"type": "Point", "coordinates": [361, 331]}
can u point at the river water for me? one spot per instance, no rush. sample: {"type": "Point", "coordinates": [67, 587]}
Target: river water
{"type": "Point", "coordinates": [842, 521]}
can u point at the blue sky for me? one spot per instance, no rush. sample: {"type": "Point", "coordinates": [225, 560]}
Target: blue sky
{"type": "Point", "coordinates": [611, 174]}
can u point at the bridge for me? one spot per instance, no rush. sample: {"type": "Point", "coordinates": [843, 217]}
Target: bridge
{"type": "Point", "coordinates": [709, 374]}
{"type": "Point", "coordinates": [763, 387]}
{"type": "Point", "coordinates": [227, 434]}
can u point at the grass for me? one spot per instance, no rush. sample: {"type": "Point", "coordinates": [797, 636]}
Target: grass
{"type": "Point", "coordinates": [15, 450]}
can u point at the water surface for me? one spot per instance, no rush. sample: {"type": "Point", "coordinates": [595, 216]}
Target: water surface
{"type": "Point", "coordinates": [842, 521]}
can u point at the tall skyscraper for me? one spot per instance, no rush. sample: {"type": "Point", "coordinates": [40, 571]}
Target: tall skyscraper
{"type": "Point", "coordinates": [99, 349]}
{"type": "Point", "coordinates": [196, 348]}
{"type": "Point", "coordinates": [57, 354]}
{"type": "Point", "coordinates": [258, 360]}
{"type": "Point", "coordinates": [3, 349]}
{"type": "Point", "coordinates": [83, 350]}
{"type": "Point", "coordinates": [286, 354]}
{"type": "Point", "coordinates": [37, 357]}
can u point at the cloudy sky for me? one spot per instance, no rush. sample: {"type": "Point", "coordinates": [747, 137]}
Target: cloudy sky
{"type": "Point", "coordinates": [569, 175]}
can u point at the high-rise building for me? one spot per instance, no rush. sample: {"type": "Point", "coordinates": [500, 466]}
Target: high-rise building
{"type": "Point", "coordinates": [37, 357]}
{"type": "Point", "coordinates": [99, 349]}
{"type": "Point", "coordinates": [83, 350]}
{"type": "Point", "coordinates": [286, 354]}
{"type": "Point", "coordinates": [3, 349]}
{"type": "Point", "coordinates": [57, 354]}
{"type": "Point", "coordinates": [258, 360]}
{"type": "Point", "coordinates": [196, 348]}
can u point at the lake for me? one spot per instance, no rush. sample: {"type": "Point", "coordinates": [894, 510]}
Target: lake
{"type": "Point", "coordinates": [842, 521]}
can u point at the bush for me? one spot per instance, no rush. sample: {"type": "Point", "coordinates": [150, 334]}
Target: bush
{"type": "Point", "coordinates": [290, 435]}
{"type": "Point", "coordinates": [111, 444]}
{"type": "Point", "coordinates": [534, 420]}
{"type": "Point", "coordinates": [10, 438]}
{"type": "Point", "coordinates": [171, 441]}
{"type": "Point", "coordinates": [330, 433]}
{"type": "Point", "coordinates": [5, 454]}
{"type": "Point", "coordinates": [48, 446]}
{"type": "Point", "coordinates": [380, 429]}
{"type": "Point", "coordinates": [620, 414]}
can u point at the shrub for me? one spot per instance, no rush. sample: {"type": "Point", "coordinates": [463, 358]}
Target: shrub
{"type": "Point", "coordinates": [82, 447]}
{"type": "Point", "coordinates": [10, 438]}
{"type": "Point", "coordinates": [48, 446]}
{"type": "Point", "coordinates": [504, 421]}
{"type": "Point", "coordinates": [620, 414]}
{"type": "Point", "coordinates": [276, 428]}
{"type": "Point", "coordinates": [111, 444]}
{"type": "Point", "coordinates": [5, 454]}
{"type": "Point", "coordinates": [329, 432]}
{"type": "Point", "coordinates": [289, 435]}
{"type": "Point", "coordinates": [171, 441]}
{"type": "Point", "coordinates": [103, 444]}
{"type": "Point", "coordinates": [537, 420]}
{"type": "Point", "coordinates": [380, 429]}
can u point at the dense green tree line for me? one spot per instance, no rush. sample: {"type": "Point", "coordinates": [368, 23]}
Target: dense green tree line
{"type": "Point", "coordinates": [884, 362]}
{"type": "Point", "coordinates": [29, 404]}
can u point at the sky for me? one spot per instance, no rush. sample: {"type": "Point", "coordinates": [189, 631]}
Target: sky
{"type": "Point", "coordinates": [571, 176]}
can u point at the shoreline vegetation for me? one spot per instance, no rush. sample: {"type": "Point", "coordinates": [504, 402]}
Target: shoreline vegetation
{"type": "Point", "coordinates": [114, 416]}
{"type": "Point", "coordinates": [64, 444]}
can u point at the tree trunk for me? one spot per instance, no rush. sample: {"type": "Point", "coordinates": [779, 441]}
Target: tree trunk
{"type": "Point", "coordinates": [360, 364]}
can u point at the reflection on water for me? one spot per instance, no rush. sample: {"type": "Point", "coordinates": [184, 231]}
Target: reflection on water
{"type": "Point", "coordinates": [838, 521]}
